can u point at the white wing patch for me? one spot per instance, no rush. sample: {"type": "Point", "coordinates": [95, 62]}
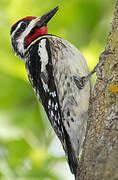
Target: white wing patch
{"type": "Point", "coordinates": [43, 54]}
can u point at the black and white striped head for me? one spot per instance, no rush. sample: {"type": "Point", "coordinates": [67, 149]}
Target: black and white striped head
{"type": "Point", "coordinates": [26, 30]}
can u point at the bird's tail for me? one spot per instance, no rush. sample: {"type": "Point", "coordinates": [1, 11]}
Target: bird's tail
{"type": "Point", "coordinates": [73, 163]}
{"type": "Point", "coordinates": [71, 156]}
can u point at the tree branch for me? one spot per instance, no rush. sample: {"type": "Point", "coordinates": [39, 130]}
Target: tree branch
{"type": "Point", "coordinates": [99, 159]}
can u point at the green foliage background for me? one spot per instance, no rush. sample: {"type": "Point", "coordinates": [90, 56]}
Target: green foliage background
{"type": "Point", "coordinates": [25, 133]}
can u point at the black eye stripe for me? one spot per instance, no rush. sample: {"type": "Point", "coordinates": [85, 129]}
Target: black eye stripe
{"type": "Point", "coordinates": [16, 25]}
{"type": "Point", "coordinates": [23, 26]}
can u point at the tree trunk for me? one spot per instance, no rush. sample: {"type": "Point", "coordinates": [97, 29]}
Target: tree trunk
{"type": "Point", "coordinates": [99, 159]}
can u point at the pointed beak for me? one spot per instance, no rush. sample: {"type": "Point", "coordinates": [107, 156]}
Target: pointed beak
{"type": "Point", "coordinates": [43, 20]}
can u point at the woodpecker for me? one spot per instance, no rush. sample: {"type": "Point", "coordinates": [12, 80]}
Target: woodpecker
{"type": "Point", "coordinates": [56, 71]}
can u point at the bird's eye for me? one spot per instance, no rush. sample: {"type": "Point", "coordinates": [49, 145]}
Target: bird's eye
{"type": "Point", "coordinates": [23, 26]}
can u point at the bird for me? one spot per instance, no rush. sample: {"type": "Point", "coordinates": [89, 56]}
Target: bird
{"type": "Point", "coordinates": [58, 73]}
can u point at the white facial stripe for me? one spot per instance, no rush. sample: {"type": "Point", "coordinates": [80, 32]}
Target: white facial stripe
{"type": "Point", "coordinates": [28, 29]}
{"type": "Point", "coordinates": [20, 40]}
{"type": "Point", "coordinates": [16, 30]}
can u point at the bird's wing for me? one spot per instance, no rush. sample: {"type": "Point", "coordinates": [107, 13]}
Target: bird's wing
{"type": "Point", "coordinates": [41, 76]}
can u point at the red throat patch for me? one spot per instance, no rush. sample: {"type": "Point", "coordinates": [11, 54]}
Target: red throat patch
{"type": "Point", "coordinates": [37, 33]}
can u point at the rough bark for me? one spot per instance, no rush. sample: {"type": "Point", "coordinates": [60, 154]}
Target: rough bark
{"type": "Point", "coordinates": [100, 152]}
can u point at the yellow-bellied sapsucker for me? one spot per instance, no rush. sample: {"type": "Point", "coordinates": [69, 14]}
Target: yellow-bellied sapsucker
{"type": "Point", "coordinates": [55, 69]}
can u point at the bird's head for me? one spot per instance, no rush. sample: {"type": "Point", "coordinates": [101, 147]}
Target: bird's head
{"type": "Point", "coordinates": [26, 30]}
